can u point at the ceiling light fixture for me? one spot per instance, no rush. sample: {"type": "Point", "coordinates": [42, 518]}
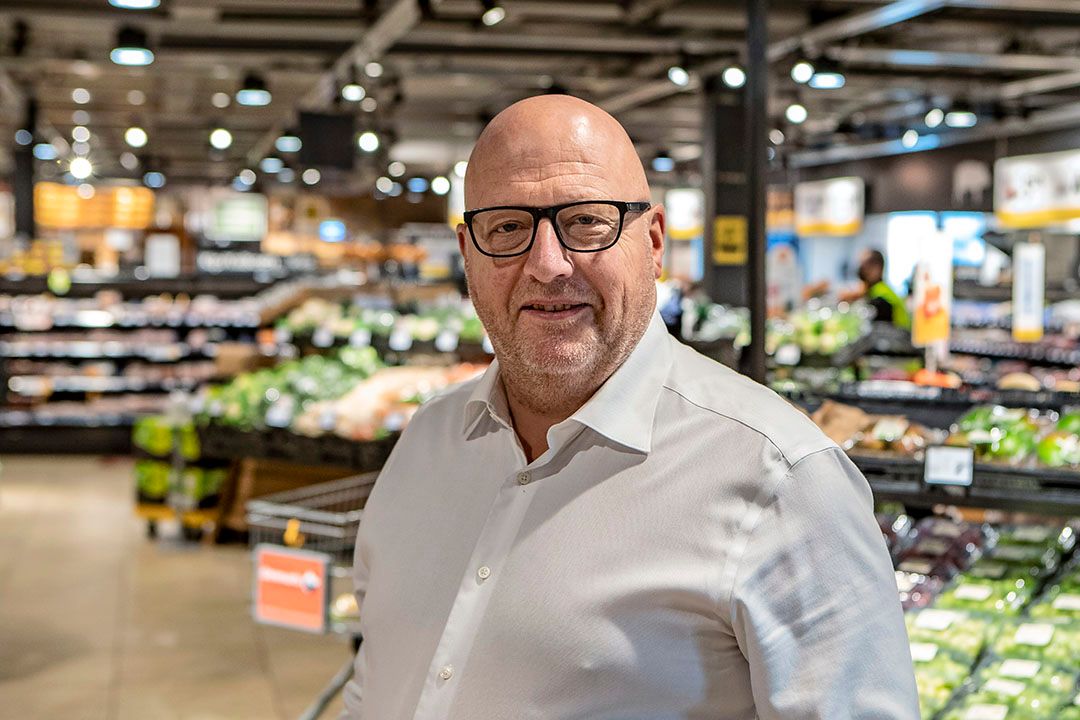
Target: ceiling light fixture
{"type": "Point", "coordinates": [493, 13]}
{"type": "Point", "coordinates": [373, 69]}
{"type": "Point", "coordinates": [80, 168]}
{"type": "Point", "coordinates": [910, 139]}
{"type": "Point", "coordinates": [311, 176]}
{"type": "Point", "coordinates": [23, 136]}
{"type": "Point", "coordinates": [128, 161]}
{"type": "Point", "coordinates": [135, 4]}
{"type": "Point", "coordinates": [80, 134]}
{"type": "Point", "coordinates": [961, 115]}
{"type": "Point", "coordinates": [271, 165]}
{"type": "Point", "coordinates": [247, 176]}
{"type": "Point", "coordinates": [776, 136]}
{"type": "Point", "coordinates": [678, 75]}
{"type": "Point", "coordinates": [734, 77]}
{"type": "Point", "coordinates": [353, 92]}
{"type": "Point", "coordinates": [796, 114]}
{"type": "Point", "coordinates": [131, 48]}
{"type": "Point", "coordinates": [934, 118]}
{"type": "Point", "coordinates": [45, 151]}
{"type": "Point", "coordinates": [663, 162]}
{"type": "Point", "coordinates": [80, 96]}
{"type": "Point", "coordinates": [368, 141]}
{"type": "Point", "coordinates": [253, 92]}
{"type": "Point", "coordinates": [288, 143]}
{"type": "Point", "coordinates": [136, 137]}
{"type": "Point", "coordinates": [440, 185]}
{"type": "Point", "coordinates": [802, 71]}
{"type": "Point", "coordinates": [220, 100]}
{"type": "Point", "coordinates": [384, 184]}
{"type": "Point", "coordinates": [396, 169]}
{"type": "Point", "coordinates": [154, 180]}
{"type": "Point", "coordinates": [369, 104]}
{"type": "Point", "coordinates": [417, 185]}
{"type": "Point", "coordinates": [460, 167]}
{"type": "Point", "coordinates": [136, 97]}
{"type": "Point", "coordinates": [220, 139]}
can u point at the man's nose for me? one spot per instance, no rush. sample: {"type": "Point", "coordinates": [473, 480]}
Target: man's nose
{"type": "Point", "coordinates": [548, 259]}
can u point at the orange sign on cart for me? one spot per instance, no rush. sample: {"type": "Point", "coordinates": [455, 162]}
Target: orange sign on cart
{"type": "Point", "coordinates": [292, 588]}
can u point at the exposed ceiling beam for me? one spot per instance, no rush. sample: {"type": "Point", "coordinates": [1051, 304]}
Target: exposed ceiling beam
{"type": "Point", "coordinates": [1057, 7]}
{"type": "Point", "coordinates": [1038, 85]}
{"type": "Point", "coordinates": [853, 25]}
{"type": "Point", "coordinates": [642, 10]}
{"type": "Point", "coordinates": [435, 37]}
{"type": "Point", "coordinates": [939, 59]}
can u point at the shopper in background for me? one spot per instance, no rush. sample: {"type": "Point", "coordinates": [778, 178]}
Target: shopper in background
{"type": "Point", "coordinates": [889, 306]}
{"type": "Point", "coordinates": [607, 524]}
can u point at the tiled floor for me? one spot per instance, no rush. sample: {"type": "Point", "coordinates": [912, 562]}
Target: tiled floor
{"type": "Point", "coordinates": [99, 623]}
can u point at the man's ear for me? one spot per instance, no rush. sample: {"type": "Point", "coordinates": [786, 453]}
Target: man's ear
{"type": "Point", "coordinates": [462, 230]}
{"type": "Point", "coordinates": [657, 226]}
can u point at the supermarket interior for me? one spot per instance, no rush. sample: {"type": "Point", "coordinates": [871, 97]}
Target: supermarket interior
{"type": "Point", "coordinates": [230, 274]}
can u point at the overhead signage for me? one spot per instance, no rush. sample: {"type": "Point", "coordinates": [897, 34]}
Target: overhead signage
{"type": "Point", "coordinates": [933, 291]}
{"type": "Point", "coordinates": [685, 213]}
{"type": "Point", "coordinates": [238, 217]}
{"type": "Point", "coordinates": [1029, 289]}
{"type": "Point", "coordinates": [730, 244]}
{"type": "Point", "coordinates": [832, 208]}
{"type": "Point", "coordinates": [1035, 191]}
{"type": "Point", "coordinates": [291, 588]}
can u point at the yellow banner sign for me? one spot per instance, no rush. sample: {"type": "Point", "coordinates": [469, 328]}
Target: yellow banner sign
{"type": "Point", "coordinates": [729, 240]}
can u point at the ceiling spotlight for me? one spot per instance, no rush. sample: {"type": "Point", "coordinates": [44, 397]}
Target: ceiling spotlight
{"type": "Point", "coordinates": [493, 13]}
{"type": "Point", "coordinates": [961, 116]}
{"type": "Point", "coordinates": [459, 168]}
{"type": "Point", "coordinates": [80, 134]}
{"type": "Point", "coordinates": [828, 80]}
{"type": "Point", "coordinates": [368, 141]}
{"type": "Point", "coordinates": [80, 168]}
{"type": "Point", "coordinates": [135, 4]}
{"type": "Point", "coordinates": [417, 185]}
{"type": "Point", "coordinates": [395, 189]}
{"type": "Point", "coordinates": [128, 161]}
{"type": "Point", "coordinates": [136, 97]}
{"type": "Point", "coordinates": [220, 100]}
{"type": "Point", "coordinates": [85, 191]}
{"type": "Point", "coordinates": [311, 176]}
{"type": "Point", "coordinates": [396, 169]}
{"type": "Point", "coordinates": [678, 75]}
{"type": "Point", "coordinates": [154, 180]}
{"type": "Point", "coordinates": [135, 137]}
{"type": "Point", "coordinates": [220, 139]}
{"type": "Point", "coordinates": [734, 77]}
{"type": "Point", "coordinates": [253, 92]}
{"type": "Point", "coordinates": [802, 71]}
{"type": "Point", "coordinates": [776, 136]}
{"type": "Point", "coordinates": [384, 184]}
{"type": "Point", "coordinates": [23, 136]}
{"type": "Point", "coordinates": [663, 162]}
{"type": "Point", "coordinates": [131, 48]}
{"type": "Point", "coordinates": [80, 117]}
{"type": "Point", "coordinates": [45, 151]}
{"type": "Point", "coordinates": [353, 92]}
{"type": "Point", "coordinates": [288, 143]}
{"type": "Point", "coordinates": [373, 69]}
{"type": "Point", "coordinates": [80, 96]}
{"type": "Point", "coordinates": [247, 176]}
{"type": "Point", "coordinates": [80, 148]}
{"type": "Point", "coordinates": [796, 114]}
{"type": "Point", "coordinates": [440, 185]}
{"type": "Point", "coordinates": [934, 118]}
{"type": "Point", "coordinates": [286, 175]}
{"type": "Point", "coordinates": [369, 104]}
{"type": "Point", "coordinates": [271, 165]}
{"type": "Point", "coordinates": [910, 139]}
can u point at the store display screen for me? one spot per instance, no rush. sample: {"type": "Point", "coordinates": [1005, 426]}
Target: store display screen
{"type": "Point", "coordinates": [966, 230]}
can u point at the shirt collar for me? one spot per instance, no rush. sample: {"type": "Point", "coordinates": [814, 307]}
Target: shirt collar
{"type": "Point", "coordinates": [624, 407]}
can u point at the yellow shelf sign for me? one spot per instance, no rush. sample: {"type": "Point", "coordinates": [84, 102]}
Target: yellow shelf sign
{"type": "Point", "coordinates": [729, 240]}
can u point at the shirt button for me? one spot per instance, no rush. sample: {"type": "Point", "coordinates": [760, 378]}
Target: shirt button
{"type": "Point", "coordinates": [447, 672]}
{"type": "Point", "coordinates": [524, 478]}
{"type": "Point", "coordinates": [484, 573]}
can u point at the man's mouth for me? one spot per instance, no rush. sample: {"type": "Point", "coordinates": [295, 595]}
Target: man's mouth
{"type": "Point", "coordinates": [555, 307]}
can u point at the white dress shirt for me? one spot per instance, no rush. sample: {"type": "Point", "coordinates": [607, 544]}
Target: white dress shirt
{"type": "Point", "coordinates": [689, 546]}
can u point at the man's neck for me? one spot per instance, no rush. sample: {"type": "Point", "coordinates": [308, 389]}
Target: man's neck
{"type": "Point", "coordinates": [531, 420]}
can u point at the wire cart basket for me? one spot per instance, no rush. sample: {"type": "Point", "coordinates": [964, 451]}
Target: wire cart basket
{"type": "Point", "coordinates": [317, 522]}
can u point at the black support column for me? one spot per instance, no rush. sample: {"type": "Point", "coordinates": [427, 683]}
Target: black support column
{"type": "Point", "coordinates": [23, 179]}
{"type": "Point", "coordinates": [733, 164]}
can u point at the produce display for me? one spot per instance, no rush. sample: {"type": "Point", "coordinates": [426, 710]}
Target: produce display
{"type": "Point", "coordinates": [1019, 436]}
{"type": "Point", "coordinates": [818, 331]}
{"type": "Point", "coordinates": [158, 480]}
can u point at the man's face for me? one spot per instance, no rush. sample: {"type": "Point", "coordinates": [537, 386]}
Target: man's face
{"type": "Point", "coordinates": [553, 311]}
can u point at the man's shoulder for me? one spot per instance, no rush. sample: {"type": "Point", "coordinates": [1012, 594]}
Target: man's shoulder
{"type": "Point", "coordinates": [714, 388]}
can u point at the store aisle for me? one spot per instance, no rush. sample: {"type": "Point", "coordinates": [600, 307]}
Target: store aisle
{"type": "Point", "coordinates": [98, 622]}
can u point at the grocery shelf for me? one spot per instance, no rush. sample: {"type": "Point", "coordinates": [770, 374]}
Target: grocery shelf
{"type": "Point", "coordinates": [1033, 352]}
{"type": "Point", "coordinates": [93, 350]}
{"type": "Point", "coordinates": [993, 486]}
{"type": "Point", "coordinates": [220, 442]}
{"type": "Point", "coordinates": [84, 321]}
{"type": "Point", "coordinates": [905, 394]}
{"type": "Point", "coordinates": [44, 385]}
{"type": "Point", "coordinates": [66, 437]}
{"type": "Point", "coordinates": [222, 286]}
{"type": "Point", "coordinates": [468, 351]}
{"type": "Point", "coordinates": [966, 290]}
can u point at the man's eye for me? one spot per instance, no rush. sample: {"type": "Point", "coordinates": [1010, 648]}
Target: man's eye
{"type": "Point", "coordinates": [508, 227]}
{"type": "Point", "coordinates": [584, 220]}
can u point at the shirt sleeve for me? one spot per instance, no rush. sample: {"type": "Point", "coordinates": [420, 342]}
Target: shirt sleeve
{"type": "Point", "coordinates": [814, 603]}
{"type": "Point", "coordinates": [352, 694]}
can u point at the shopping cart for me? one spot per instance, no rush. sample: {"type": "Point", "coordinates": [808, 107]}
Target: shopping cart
{"type": "Point", "coordinates": [302, 543]}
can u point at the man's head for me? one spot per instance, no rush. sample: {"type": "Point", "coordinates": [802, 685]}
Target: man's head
{"type": "Point", "coordinates": [547, 151]}
{"type": "Point", "coordinates": [872, 267]}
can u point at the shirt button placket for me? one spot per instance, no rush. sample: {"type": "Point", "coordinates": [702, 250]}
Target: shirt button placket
{"type": "Point", "coordinates": [483, 573]}
{"type": "Point", "coordinates": [447, 672]}
{"type": "Point", "coordinates": [524, 478]}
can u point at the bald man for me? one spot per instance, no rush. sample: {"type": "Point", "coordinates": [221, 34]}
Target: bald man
{"type": "Point", "coordinates": [607, 525]}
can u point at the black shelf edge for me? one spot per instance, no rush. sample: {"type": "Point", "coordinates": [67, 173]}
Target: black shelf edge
{"type": "Point", "coordinates": [66, 439]}
{"type": "Point", "coordinates": [220, 442]}
{"type": "Point", "coordinates": [222, 286]}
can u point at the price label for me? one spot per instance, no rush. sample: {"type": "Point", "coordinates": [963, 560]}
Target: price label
{"type": "Point", "coordinates": [789, 354]}
{"type": "Point", "coordinates": [400, 340]}
{"type": "Point", "coordinates": [1023, 669]}
{"type": "Point", "coordinates": [989, 570]}
{"type": "Point", "coordinates": [1016, 553]}
{"type": "Point", "coordinates": [1001, 686]}
{"type": "Point", "coordinates": [1067, 602]}
{"type": "Point", "coordinates": [949, 466]}
{"type": "Point", "coordinates": [969, 591]}
{"type": "Point", "coordinates": [919, 567]}
{"type": "Point", "coordinates": [987, 712]}
{"type": "Point", "coordinates": [1037, 634]}
{"type": "Point", "coordinates": [360, 338]}
{"type": "Point", "coordinates": [935, 619]}
{"type": "Point", "coordinates": [923, 652]}
{"type": "Point", "coordinates": [446, 341]}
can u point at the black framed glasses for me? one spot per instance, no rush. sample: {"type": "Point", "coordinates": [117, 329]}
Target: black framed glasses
{"type": "Point", "coordinates": [585, 226]}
